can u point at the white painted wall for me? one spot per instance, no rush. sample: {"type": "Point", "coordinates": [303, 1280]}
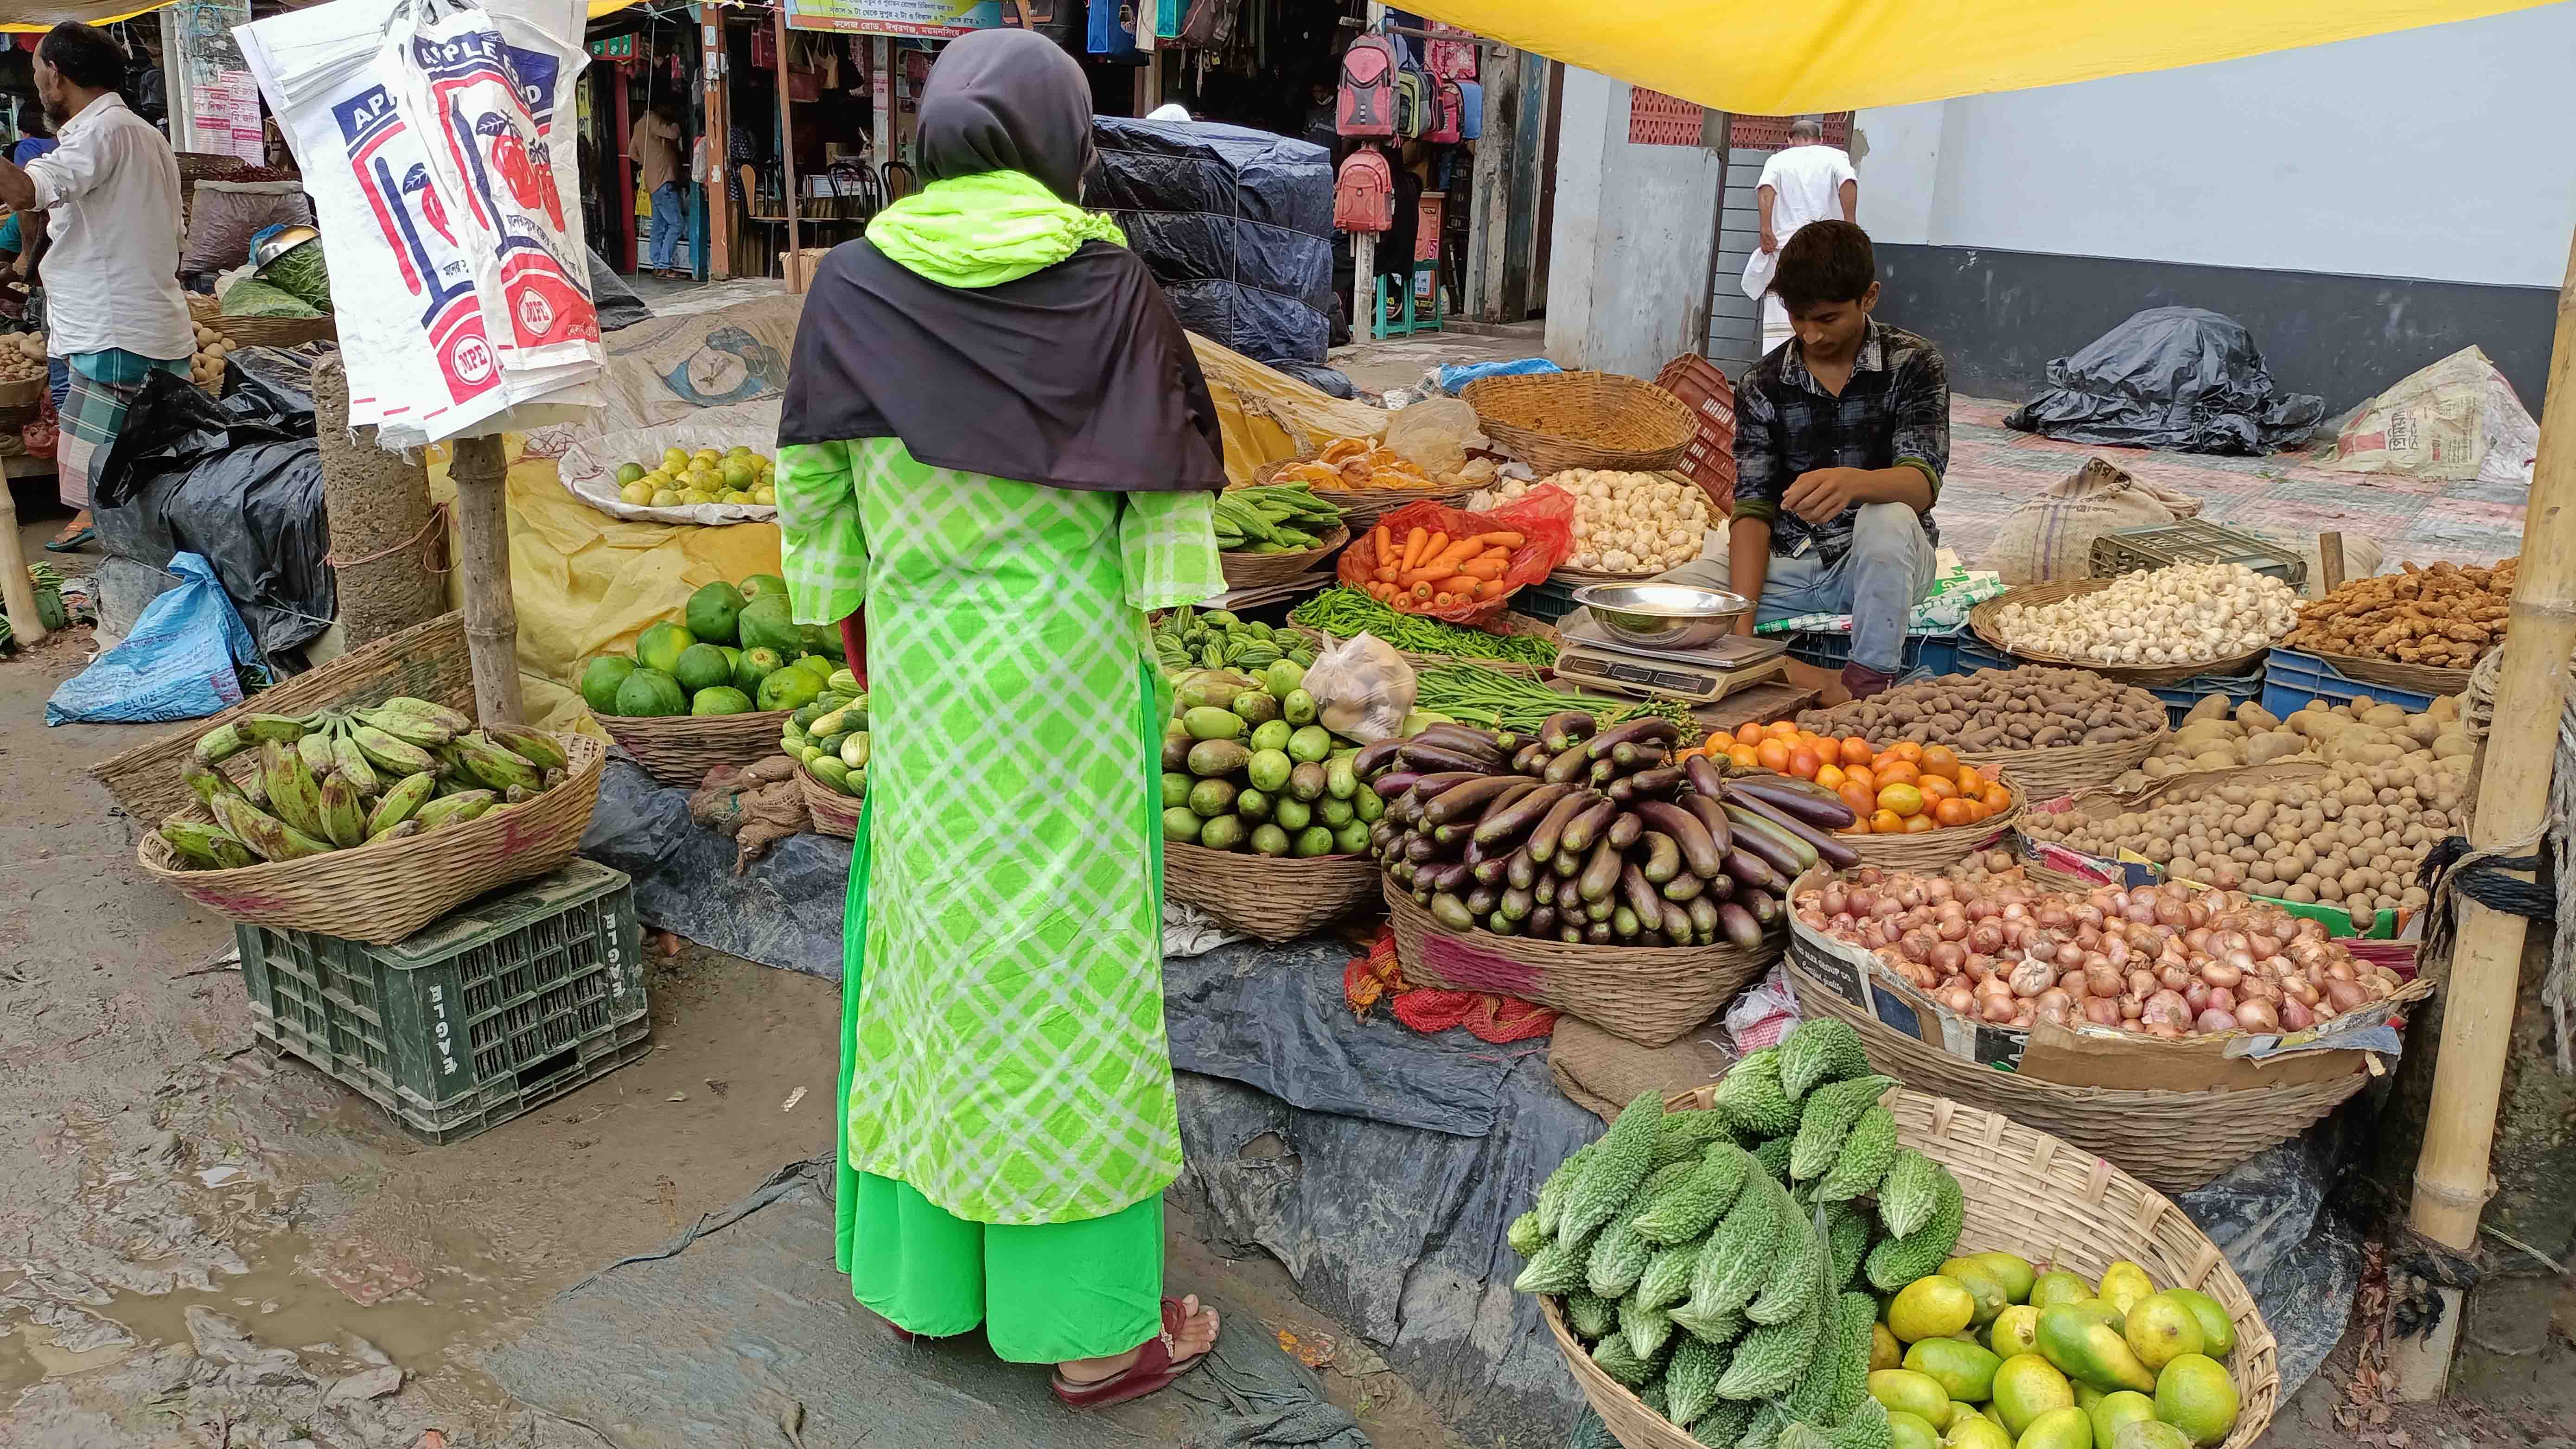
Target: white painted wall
{"type": "Point", "coordinates": [2440, 153]}
{"type": "Point", "coordinates": [1628, 261]}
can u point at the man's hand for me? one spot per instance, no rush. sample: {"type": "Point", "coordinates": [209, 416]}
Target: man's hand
{"type": "Point", "coordinates": [1822, 494]}
{"type": "Point", "coordinates": [1770, 243]}
{"type": "Point", "coordinates": [17, 188]}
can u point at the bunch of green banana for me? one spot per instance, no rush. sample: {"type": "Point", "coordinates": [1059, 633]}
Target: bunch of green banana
{"type": "Point", "coordinates": [337, 779]}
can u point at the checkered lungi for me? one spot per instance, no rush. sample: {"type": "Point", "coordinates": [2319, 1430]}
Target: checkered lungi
{"type": "Point", "coordinates": [104, 385]}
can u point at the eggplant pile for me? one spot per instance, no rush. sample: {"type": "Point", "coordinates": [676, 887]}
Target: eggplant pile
{"type": "Point", "coordinates": [1592, 836]}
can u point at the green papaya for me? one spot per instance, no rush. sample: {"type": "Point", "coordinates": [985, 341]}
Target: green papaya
{"type": "Point", "coordinates": [648, 693]}
{"type": "Point", "coordinates": [712, 611]}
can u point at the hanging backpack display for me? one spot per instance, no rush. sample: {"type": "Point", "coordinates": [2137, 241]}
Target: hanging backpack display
{"type": "Point", "coordinates": [1364, 192]}
{"type": "Point", "coordinates": [1448, 110]}
{"type": "Point", "coordinates": [1209, 25]}
{"type": "Point", "coordinates": [1471, 110]}
{"type": "Point", "coordinates": [1413, 101]}
{"type": "Point", "coordinates": [1367, 105]}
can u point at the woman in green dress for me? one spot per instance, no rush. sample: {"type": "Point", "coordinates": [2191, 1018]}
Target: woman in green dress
{"type": "Point", "coordinates": [997, 449]}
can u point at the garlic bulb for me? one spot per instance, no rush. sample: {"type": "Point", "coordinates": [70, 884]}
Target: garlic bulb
{"type": "Point", "coordinates": [1640, 523]}
{"type": "Point", "coordinates": [2186, 614]}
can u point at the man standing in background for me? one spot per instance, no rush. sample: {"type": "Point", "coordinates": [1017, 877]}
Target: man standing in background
{"type": "Point", "coordinates": [113, 307]}
{"type": "Point", "coordinates": [655, 147]}
{"type": "Point", "coordinates": [1810, 181]}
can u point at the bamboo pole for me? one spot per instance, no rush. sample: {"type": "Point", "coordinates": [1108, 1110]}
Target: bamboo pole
{"type": "Point", "coordinates": [787, 155]}
{"type": "Point", "coordinates": [17, 592]}
{"type": "Point", "coordinates": [2451, 1182]}
{"type": "Point", "coordinates": [483, 566]}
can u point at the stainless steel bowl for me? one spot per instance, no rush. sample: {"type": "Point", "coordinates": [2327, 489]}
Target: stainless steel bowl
{"type": "Point", "coordinates": [1663, 616]}
{"type": "Point", "coordinates": [287, 240]}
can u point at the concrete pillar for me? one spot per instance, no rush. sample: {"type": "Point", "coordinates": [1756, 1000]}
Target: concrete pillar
{"type": "Point", "coordinates": [1635, 236]}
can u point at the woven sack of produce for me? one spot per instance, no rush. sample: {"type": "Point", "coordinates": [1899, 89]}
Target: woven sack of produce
{"type": "Point", "coordinates": [2051, 536]}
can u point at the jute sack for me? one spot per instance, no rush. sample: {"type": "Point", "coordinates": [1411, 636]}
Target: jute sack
{"type": "Point", "coordinates": [2050, 537]}
{"type": "Point", "coordinates": [1603, 1073]}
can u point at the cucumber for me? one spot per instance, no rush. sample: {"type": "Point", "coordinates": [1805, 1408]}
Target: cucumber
{"type": "Point", "coordinates": [1212, 798]}
{"type": "Point", "coordinates": [1292, 813]}
{"type": "Point", "coordinates": [1176, 788]}
{"type": "Point", "coordinates": [1210, 758]}
{"type": "Point", "coordinates": [1269, 840]}
{"type": "Point", "coordinates": [1224, 832]}
{"type": "Point", "coordinates": [1253, 805]}
{"type": "Point", "coordinates": [1181, 823]}
{"type": "Point", "coordinates": [1312, 841]}
{"type": "Point", "coordinates": [828, 770]}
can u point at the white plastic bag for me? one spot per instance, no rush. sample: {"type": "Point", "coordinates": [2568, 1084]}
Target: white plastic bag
{"type": "Point", "coordinates": [1363, 689]}
{"type": "Point", "coordinates": [2455, 420]}
{"type": "Point", "coordinates": [1763, 1013]}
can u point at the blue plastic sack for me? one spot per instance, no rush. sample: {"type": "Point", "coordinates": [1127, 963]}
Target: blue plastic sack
{"type": "Point", "coordinates": [1457, 375]}
{"type": "Point", "coordinates": [177, 664]}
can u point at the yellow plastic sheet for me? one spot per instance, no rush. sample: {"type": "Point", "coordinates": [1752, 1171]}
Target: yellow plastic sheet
{"type": "Point", "coordinates": [1762, 57]}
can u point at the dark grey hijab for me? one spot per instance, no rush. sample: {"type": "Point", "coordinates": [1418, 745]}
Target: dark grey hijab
{"type": "Point", "coordinates": [1075, 376]}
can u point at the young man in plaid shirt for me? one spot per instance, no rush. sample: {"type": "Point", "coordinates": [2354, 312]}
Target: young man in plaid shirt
{"type": "Point", "coordinates": [1841, 436]}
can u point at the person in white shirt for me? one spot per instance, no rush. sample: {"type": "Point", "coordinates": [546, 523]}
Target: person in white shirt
{"type": "Point", "coordinates": [1810, 181]}
{"type": "Point", "coordinates": [110, 193]}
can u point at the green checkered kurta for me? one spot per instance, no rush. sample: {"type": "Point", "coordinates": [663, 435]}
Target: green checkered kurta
{"type": "Point", "coordinates": [1008, 1056]}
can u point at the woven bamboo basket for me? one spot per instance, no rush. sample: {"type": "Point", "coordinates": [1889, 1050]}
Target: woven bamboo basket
{"type": "Point", "coordinates": [679, 749]}
{"type": "Point", "coordinates": [1560, 420]}
{"type": "Point", "coordinates": [832, 812]}
{"type": "Point", "coordinates": [1936, 850]}
{"type": "Point", "coordinates": [426, 661]}
{"type": "Point", "coordinates": [1260, 570]}
{"type": "Point", "coordinates": [2047, 774]}
{"type": "Point", "coordinates": [1271, 898]}
{"type": "Point", "coordinates": [382, 892]}
{"type": "Point", "coordinates": [1361, 506]}
{"type": "Point", "coordinates": [2032, 1195]}
{"type": "Point", "coordinates": [277, 331]}
{"type": "Point", "coordinates": [1982, 621]}
{"type": "Point", "coordinates": [2397, 674]}
{"type": "Point", "coordinates": [1652, 995]}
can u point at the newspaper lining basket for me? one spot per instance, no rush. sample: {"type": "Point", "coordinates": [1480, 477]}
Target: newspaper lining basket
{"type": "Point", "coordinates": [1271, 898]}
{"type": "Point", "coordinates": [2028, 1193]}
{"type": "Point", "coordinates": [382, 892]}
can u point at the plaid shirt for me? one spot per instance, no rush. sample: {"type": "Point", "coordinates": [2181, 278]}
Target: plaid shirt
{"type": "Point", "coordinates": [1894, 412]}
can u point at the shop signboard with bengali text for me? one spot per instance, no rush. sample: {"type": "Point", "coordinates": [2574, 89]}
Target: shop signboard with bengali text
{"type": "Point", "coordinates": [937, 19]}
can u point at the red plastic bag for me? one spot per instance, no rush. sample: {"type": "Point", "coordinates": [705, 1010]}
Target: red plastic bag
{"type": "Point", "coordinates": [1543, 517]}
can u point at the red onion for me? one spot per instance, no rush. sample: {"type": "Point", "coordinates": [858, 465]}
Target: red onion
{"type": "Point", "coordinates": [2131, 1007]}
{"type": "Point", "coordinates": [2172, 977]}
{"type": "Point", "coordinates": [2345, 996]}
{"type": "Point", "coordinates": [2031, 978]}
{"type": "Point", "coordinates": [2195, 993]}
{"type": "Point", "coordinates": [2142, 984]}
{"type": "Point", "coordinates": [2139, 911]}
{"type": "Point", "coordinates": [1952, 928]}
{"type": "Point", "coordinates": [1960, 1000]}
{"type": "Point", "coordinates": [2258, 1016]}
{"type": "Point", "coordinates": [2222, 973]}
{"type": "Point", "coordinates": [2016, 911]}
{"type": "Point", "coordinates": [1837, 899]}
{"type": "Point", "coordinates": [2170, 914]}
{"type": "Point", "coordinates": [2069, 954]}
{"type": "Point", "coordinates": [2001, 1009]}
{"type": "Point", "coordinates": [2195, 914]}
{"type": "Point", "coordinates": [1986, 940]}
{"type": "Point", "coordinates": [2197, 938]}
{"type": "Point", "coordinates": [2220, 999]}
{"type": "Point", "coordinates": [2088, 938]}
{"type": "Point", "coordinates": [2089, 914]}
{"type": "Point", "coordinates": [2166, 1008]}
{"type": "Point", "coordinates": [1980, 967]}
{"type": "Point", "coordinates": [1948, 956]}
{"type": "Point", "coordinates": [2102, 1010]}
{"type": "Point", "coordinates": [2295, 1016]}
{"type": "Point", "coordinates": [2102, 980]}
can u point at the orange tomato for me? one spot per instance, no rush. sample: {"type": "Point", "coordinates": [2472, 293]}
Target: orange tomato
{"type": "Point", "coordinates": [1773, 754]}
{"type": "Point", "coordinates": [1803, 763]}
{"type": "Point", "coordinates": [1896, 772]}
{"type": "Point", "coordinates": [1940, 760]}
{"type": "Point", "coordinates": [1970, 782]}
{"type": "Point", "coordinates": [1743, 756]}
{"type": "Point", "coordinates": [1748, 733]}
{"type": "Point", "coordinates": [1918, 824]}
{"type": "Point", "coordinates": [1998, 798]}
{"type": "Point", "coordinates": [1887, 822]}
{"type": "Point", "coordinates": [1952, 812]}
{"type": "Point", "coordinates": [1936, 788]}
{"type": "Point", "coordinates": [1859, 797]}
{"type": "Point", "coordinates": [1977, 809]}
{"type": "Point", "coordinates": [1716, 741]}
{"type": "Point", "coordinates": [1856, 751]}
{"type": "Point", "coordinates": [1781, 729]}
{"type": "Point", "coordinates": [1829, 776]}
{"type": "Point", "coordinates": [1903, 799]}
{"type": "Point", "coordinates": [1861, 776]}
{"type": "Point", "coordinates": [1906, 750]}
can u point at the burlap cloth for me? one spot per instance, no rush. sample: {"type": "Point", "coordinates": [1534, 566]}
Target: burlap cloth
{"type": "Point", "coordinates": [1604, 1073]}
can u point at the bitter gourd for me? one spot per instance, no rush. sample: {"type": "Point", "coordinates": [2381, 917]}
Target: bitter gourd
{"type": "Point", "coordinates": [1700, 1198]}
{"type": "Point", "coordinates": [1858, 1314]}
{"type": "Point", "coordinates": [1524, 1235]}
{"type": "Point", "coordinates": [1723, 1424]}
{"type": "Point", "coordinates": [1797, 1274]}
{"type": "Point", "coordinates": [1658, 1396]}
{"type": "Point", "coordinates": [1827, 1119]}
{"type": "Point", "coordinates": [1867, 1428]}
{"type": "Point", "coordinates": [1557, 1267]}
{"type": "Point", "coordinates": [1720, 1328]}
{"type": "Point", "coordinates": [1867, 1154]}
{"type": "Point", "coordinates": [1770, 1357]}
{"type": "Point", "coordinates": [1615, 1358]}
{"type": "Point", "coordinates": [1750, 1096]}
{"type": "Point", "coordinates": [1847, 1236]}
{"type": "Point", "coordinates": [1909, 1193]}
{"type": "Point", "coordinates": [1896, 1262]}
{"type": "Point", "coordinates": [1689, 1134]}
{"type": "Point", "coordinates": [1619, 1255]}
{"type": "Point", "coordinates": [1551, 1193]}
{"type": "Point", "coordinates": [1692, 1378]}
{"type": "Point", "coordinates": [1768, 1422]}
{"type": "Point", "coordinates": [1820, 1050]}
{"type": "Point", "coordinates": [1737, 1258]}
{"type": "Point", "coordinates": [1590, 1315]}
{"type": "Point", "coordinates": [1648, 1329]}
{"type": "Point", "coordinates": [1620, 1162]}
{"type": "Point", "coordinates": [1666, 1280]}
{"type": "Point", "coordinates": [1773, 1155]}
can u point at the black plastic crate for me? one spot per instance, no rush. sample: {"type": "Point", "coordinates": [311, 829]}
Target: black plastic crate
{"type": "Point", "coordinates": [2194, 540]}
{"type": "Point", "coordinates": [484, 1014]}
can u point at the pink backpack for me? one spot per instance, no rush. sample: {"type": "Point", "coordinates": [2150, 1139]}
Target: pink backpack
{"type": "Point", "coordinates": [1364, 192]}
{"type": "Point", "coordinates": [1368, 88]}
{"type": "Point", "coordinates": [1448, 112]}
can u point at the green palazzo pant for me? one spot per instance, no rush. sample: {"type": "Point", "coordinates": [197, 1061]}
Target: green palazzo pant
{"type": "Point", "coordinates": [1044, 1293]}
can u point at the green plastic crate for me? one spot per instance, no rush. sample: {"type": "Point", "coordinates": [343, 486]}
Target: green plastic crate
{"type": "Point", "coordinates": [485, 1014]}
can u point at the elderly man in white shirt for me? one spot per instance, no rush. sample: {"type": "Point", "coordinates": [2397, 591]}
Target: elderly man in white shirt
{"type": "Point", "coordinates": [1810, 181]}
{"type": "Point", "coordinates": [113, 306]}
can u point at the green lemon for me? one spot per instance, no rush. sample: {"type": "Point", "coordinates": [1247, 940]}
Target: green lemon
{"type": "Point", "coordinates": [2066, 1428]}
{"type": "Point", "coordinates": [1964, 1370]}
{"type": "Point", "coordinates": [2057, 1286]}
{"type": "Point", "coordinates": [2217, 1330]}
{"type": "Point", "coordinates": [1910, 1431]}
{"type": "Point", "coordinates": [1908, 1391]}
{"type": "Point", "coordinates": [1934, 1306]}
{"type": "Point", "coordinates": [2195, 1395]}
{"type": "Point", "coordinates": [2110, 1411]}
{"type": "Point", "coordinates": [2027, 1386]}
{"type": "Point", "coordinates": [2123, 1284]}
{"type": "Point", "coordinates": [2162, 1328]}
{"type": "Point", "coordinates": [2015, 1330]}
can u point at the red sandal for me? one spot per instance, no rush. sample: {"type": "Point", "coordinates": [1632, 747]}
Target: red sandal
{"type": "Point", "coordinates": [1153, 1369]}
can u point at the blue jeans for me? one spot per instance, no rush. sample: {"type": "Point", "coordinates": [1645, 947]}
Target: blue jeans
{"type": "Point", "coordinates": [1878, 582]}
{"type": "Point", "coordinates": [58, 379]}
{"type": "Point", "coordinates": [666, 224]}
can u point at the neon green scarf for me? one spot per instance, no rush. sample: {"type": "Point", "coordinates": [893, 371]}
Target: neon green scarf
{"type": "Point", "coordinates": [984, 230]}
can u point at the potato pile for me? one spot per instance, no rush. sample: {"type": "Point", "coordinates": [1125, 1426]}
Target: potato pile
{"type": "Point", "coordinates": [2186, 614]}
{"type": "Point", "coordinates": [2374, 733]}
{"type": "Point", "coordinates": [2030, 708]}
{"type": "Point", "coordinates": [22, 357]}
{"type": "Point", "coordinates": [2353, 837]}
{"type": "Point", "coordinates": [1626, 523]}
{"type": "Point", "coordinates": [206, 369]}
{"type": "Point", "coordinates": [2444, 616]}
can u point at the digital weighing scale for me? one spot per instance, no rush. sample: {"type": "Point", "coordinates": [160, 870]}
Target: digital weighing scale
{"type": "Point", "coordinates": [1703, 675]}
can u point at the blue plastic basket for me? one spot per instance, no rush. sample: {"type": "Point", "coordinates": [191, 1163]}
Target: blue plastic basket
{"type": "Point", "coordinates": [1937, 653]}
{"type": "Point", "coordinates": [2291, 679]}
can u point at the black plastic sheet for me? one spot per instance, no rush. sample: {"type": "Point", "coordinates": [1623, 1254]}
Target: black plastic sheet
{"type": "Point", "coordinates": [1237, 225]}
{"type": "Point", "coordinates": [2171, 377]}
{"type": "Point", "coordinates": [617, 303]}
{"type": "Point", "coordinates": [238, 482]}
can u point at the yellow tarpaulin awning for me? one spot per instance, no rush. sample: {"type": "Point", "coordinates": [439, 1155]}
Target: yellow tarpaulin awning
{"type": "Point", "coordinates": [44, 15]}
{"type": "Point", "coordinates": [1761, 57]}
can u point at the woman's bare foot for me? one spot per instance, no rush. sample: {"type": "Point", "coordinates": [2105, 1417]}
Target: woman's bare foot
{"type": "Point", "coordinates": [1197, 1335]}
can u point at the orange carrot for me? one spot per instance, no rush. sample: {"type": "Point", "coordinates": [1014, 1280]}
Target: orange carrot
{"type": "Point", "coordinates": [1422, 591]}
{"type": "Point", "coordinates": [1431, 548]}
{"type": "Point", "coordinates": [1413, 543]}
{"type": "Point", "coordinates": [1503, 538]}
{"type": "Point", "coordinates": [1382, 545]}
{"type": "Point", "coordinates": [1483, 568]}
{"type": "Point", "coordinates": [1459, 584]}
{"type": "Point", "coordinates": [1442, 601]}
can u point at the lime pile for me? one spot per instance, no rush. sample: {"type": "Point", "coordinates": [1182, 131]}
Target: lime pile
{"type": "Point", "coordinates": [737, 475]}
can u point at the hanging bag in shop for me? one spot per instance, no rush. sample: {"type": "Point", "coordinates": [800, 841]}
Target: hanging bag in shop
{"type": "Point", "coordinates": [1471, 111]}
{"type": "Point", "coordinates": [1210, 23]}
{"type": "Point", "coordinates": [1367, 106]}
{"type": "Point", "coordinates": [1447, 111]}
{"type": "Point", "coordinates": [1364, 192]}
{"type": "Point", "coordinates": [1413, 101]}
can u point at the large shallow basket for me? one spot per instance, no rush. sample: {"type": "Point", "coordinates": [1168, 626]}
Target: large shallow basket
{"type": "Point", "coordinates": [2397, 674]}
{"type": "Point", "coordinates": [1652, 995]}
{"type": "Point", "coordinates": [1982, 620]}
{"type": "Point", "coordinates": [383, 892]}
{"type": "Point", "coordinates": [1560, 420]}
{"type": "Point", "coordinates": [426, 661]}
{"type": "Point", "coordinates": [679, 749]}
{"type": "Point", "coordinates": [1261, 570]}
{"type": "Point", "coordinates": [2029, 1194]}
{"type": "Point", "coordinates": [832, 812]}
{"type": "Point", "coordinates": [1361, 506]}
{"type": "Point", "coordinates": [2047, 774]}
{"type": "Point", "coordinates": [1272, 898]}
